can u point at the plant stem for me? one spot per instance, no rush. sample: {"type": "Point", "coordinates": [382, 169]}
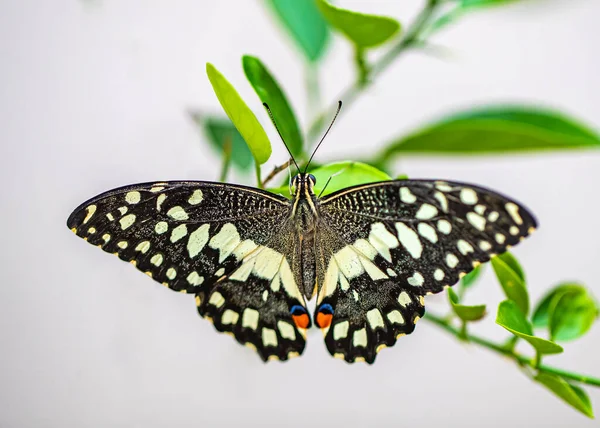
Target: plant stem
{"type": "Point", "coordinates": [360, 84]}
{"type": "Point", "coordinates": [226, 158]}
{"type": "Point", "coordinates": [276, 171]}
{"type": "Point", "coordinates": [259, 183]}
{"type": "Point", "coordinates": [510, 353]}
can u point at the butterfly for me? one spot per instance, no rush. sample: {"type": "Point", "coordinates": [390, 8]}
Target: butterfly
{"type": "Point", "coordinates": [252, 259]}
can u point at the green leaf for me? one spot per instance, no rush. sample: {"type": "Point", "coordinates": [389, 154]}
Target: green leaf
{"type": "Point", "coordinates": [240, 114]}
{"type": "Point", "coordinates": [495, 130]}
{"type": "Point", "coordinates": [365, 31]}
{"type": "Point", "coordinates": [304, 23]}
{"type": "Point", "coordinates": [269, 92]}
{"type": "Point", "coordinates": [512, 281]}
{"type": "Point", "coordinates": [513, 263]}
{"type": "Point", "coordinates": [568, 310]}
{"type": "Point", "coordinates": [464, 312]}
{"type": "Point", "coordinates": [218, 130]}
{"type": "Point", "coordinates": [472, 277]}
{"type": "Point", "coordinates": [343, 174]}
{"type": "Point", "coordinates": [485, 3]}
{"type": "Point", "coordinates": [512, 319]}
{"type": "Point", "coordinates": [573, 314]}
{"type": "Point", "coordinates": [571, 394]}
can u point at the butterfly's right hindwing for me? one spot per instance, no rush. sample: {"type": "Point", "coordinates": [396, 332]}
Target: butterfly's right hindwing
{"type": "Point", "coordinates": [202, 238]}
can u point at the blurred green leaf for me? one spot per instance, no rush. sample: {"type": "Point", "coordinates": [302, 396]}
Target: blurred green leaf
{"type": "Point", "coordinates": [270, 92]}
{"type": "Point", "coordinates": [571, 394]}
{"type": "Point", "coordinates": [218, 130]}
{"type": "Point", "coordinates": [472, 277]}
{"type": "Point", "coordinates": [512, 319]}
{"type": "Point", "coordinates": [511, 281]}
{"type": "Point", "coordinates": [365, 31]}
{"type": "Point", "coordinates": [568, 311]}
{"type": "Point", "coordinates": [240, 114]}
{"type": "Point", "coordinates": [401, 177]}
{"type": "Point", "coordinates": [495, 130]}
{"type": "Point", "coordinates": [485, 3]}
{"type": "Point", "coordinates": [343, 174]}
{"type": "Point", "coordinates": [305, 24]}
{"type": "Point", "coordinates": [464, 312]}
{"type": "Point", "coordinates": [573, 315]}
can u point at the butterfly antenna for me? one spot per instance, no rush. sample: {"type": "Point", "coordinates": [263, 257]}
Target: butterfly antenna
{"type": "Point", "coordinates": [324, 135]}
{"type": "Point", "coordinates": [281, 136]}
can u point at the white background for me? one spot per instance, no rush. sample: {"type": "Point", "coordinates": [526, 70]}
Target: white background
{"type": "Point", "coordinates": [93, 95]}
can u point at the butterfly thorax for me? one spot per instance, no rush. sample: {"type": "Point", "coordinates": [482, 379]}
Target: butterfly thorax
{"type": "Point", "coordinates": [304, 204]}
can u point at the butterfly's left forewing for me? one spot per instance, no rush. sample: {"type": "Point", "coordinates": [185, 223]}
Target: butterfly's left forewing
{"type": "Point", "coordinates": [223, 243]}
{"type": "Point", "coordinates": [384, 246]}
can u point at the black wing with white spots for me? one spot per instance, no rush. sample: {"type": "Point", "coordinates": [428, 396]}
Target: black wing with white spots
{"type": "Point", "coordinates": [212, 240]}
{"type": "Point", "coordinates": [386, 245]}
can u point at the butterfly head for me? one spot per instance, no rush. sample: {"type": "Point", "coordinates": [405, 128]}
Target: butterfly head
{"type": "Point", "coordinates": [303, 184]}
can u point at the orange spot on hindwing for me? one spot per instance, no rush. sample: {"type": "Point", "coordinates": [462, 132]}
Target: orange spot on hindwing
{"type": "Point", "coordinates": [300, 316]}
{"type": "Point", "coordinates": [324, 315]}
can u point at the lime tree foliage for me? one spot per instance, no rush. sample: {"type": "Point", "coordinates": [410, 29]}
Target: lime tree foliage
{"type": "Point", "coordinates": [564, 314]}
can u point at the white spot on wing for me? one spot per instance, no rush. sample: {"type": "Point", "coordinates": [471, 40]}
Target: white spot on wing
{"type": "Point", "coordinates": [444, 226]}
{"type": "Point", "coordinates": [286, 330]}
{"type": "Point", "coordinates": [230, 317]}
{"type": "Point", "coordinates": [178, 233]}
{"type": "Point", "coordinates": [216, 299]}
{"type": "Point", "coordinates": [195, 279]}
{"type": "Point", "coordinates": [127, 221]}
{"type": "Point", "coordinates": [171, 273]}
{"type": "Point", "coordinates": [395, 317]}
{"type": "Point", "coordinates": [133, 197]}
{"type": "Point", "coordinates": [340, 330]}
{"type": "Point", "coordinates": [90, 212]}
{"type": "Point", "coordinates": [500, 238]}
{"type": "Point", "coordinates": [269, 337]}
{"type": "Point", "coordinates": [382, 240]}
{"type": "Point", "coordinates": [441, 198]}
{"type": "Point", "coordinates": [409, 240]}
{"type": "Point", "coordinates": [225, 241]}
{"type": "Point", "coordinates": [404, 299]}
{"type": "Point", "coordinates": [426, 212]}
{"type": "Point", "coordinates": [407, 196]}
{"type": "Point", "coordinates": [476, 220]}
{"type": "Point", "coordinates": [360, 338]}
{"type": "Point", "coordinates": [485, 245]}
{"type": "Point", "coordinates": [198, 240]}
{"type": "Point", "coordinates": [157, 260]}
{"type": "Point", "coordinates": [196, 197]}
{"type": "Point", "coordinates": [427, 232]}
{"type": "Point", "coordinates": [513, 210]}
{"type": "Point", "coordinates": [177, 213]}
{"type": "Point", "coordinates": [439, 274]}
{"type": "Point", "coordinates": [416, 280]}
{"type": "Point", "coordinates": [143, 247]}
{"type": "Point", "coordinates": [159, 201]}
{"type": "Point", "coordinates": [375, 319]}
{"type": "Point", "coordinates": [451, 260]}
{"type": "Point", "coordinates": [468, 196]}
{"type": "Point", "coordinates": [161, 227]}
{"type": "Point", "coordinates": [464, 247]}
{"type": "Point", "coordinates": [250, 318]}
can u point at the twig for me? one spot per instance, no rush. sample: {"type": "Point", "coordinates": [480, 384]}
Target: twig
{"type": "Point", "coordinates": [510, 353]}
{"type": "Point", "coordinates": [276, 171]}
{"type": "Point", "coordinates": [362, 82]}
{"type": "Point", "coordinates": [227, 148]}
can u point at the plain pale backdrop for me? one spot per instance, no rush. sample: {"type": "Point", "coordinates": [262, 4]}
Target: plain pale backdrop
{"type": "Point", "coordinates": [93, 95]}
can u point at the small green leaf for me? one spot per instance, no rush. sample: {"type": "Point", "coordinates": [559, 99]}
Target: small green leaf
{"type": "Point", "coordinates": [218, 130]}
{"type": "Point", "coordinates": [402, 177]}
{"type": "Point", "coordinates": [512, 281]}
{"type": "Point", "coordinates": [464, 312]}
{"type": "Point", "coordinates": [512, 319]}
{"type": "Point", "coordinates": [269, 92]}
{"type": "Point", "coordinates": [568, 310]}
{"type": "Point", "coordinates": [495, 130]}
{"type": "Point", "coordinates": [485, 3]}
{"type": "Point", "coordinates": [305, 24]}
{"type": "Point", "coordinates": [240, 114]}
{"type": "Point", "coordinates": [365, 31]}
{"type": "Point", "coordinates": [472, 277]}
{"type": "Point", "coordinates": [343, 174]}
{"type": "Point", "coordinates": [541, 314]}
{"type": "Point", "coordinates": [573, 315]}
{"type": "Point", "coordinates": [571, 394]}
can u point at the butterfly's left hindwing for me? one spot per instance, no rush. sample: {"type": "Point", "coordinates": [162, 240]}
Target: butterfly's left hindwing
{"type": "Point", "coordinates": [384, 246]}
{"type": "Point", "coordinates": [220, 242]}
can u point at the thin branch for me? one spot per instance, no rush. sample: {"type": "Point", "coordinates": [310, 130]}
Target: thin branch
{"type": "Point", "coordinates": [259, 183]}
{"type": "Point", "coordinates": [507, 351]}
{"type": "Point", "coordinates": [276, 171]}
{"type": "Point", "coordinates": [227, 149]}
{"type": "Point", "coordinates": [362, 82]}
